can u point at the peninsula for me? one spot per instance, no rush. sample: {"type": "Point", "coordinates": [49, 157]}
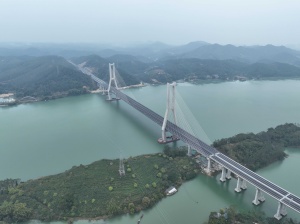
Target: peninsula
{"type": "Point", "coordinates": [96, 191]}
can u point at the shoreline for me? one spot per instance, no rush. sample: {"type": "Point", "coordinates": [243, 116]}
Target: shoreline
{"type": "Point", "coordinates": [193, 82]}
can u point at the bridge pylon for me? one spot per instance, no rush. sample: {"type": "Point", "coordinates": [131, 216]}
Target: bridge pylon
{"type": "Point", "coordinates": [170, 108]}
{"type": "Point", "coordinates": [112, 78]}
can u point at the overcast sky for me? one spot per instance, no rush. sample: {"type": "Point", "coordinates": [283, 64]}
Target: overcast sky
{"type": "Point", "coordinates": [239, 22]}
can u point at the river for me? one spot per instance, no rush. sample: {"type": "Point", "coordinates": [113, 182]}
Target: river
{"type": "Point", "coordinates": [46, 138]}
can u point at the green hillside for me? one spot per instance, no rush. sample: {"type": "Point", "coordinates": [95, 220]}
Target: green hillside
{"type": "Point", "coordinates": [41, 77]}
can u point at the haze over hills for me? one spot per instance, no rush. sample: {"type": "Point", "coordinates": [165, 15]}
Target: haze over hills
{"type": "Point", "coordinates": [31, 70]}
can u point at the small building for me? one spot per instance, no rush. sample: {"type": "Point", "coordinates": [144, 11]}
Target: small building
{"type": "Point", "coordinates": [171, 190]}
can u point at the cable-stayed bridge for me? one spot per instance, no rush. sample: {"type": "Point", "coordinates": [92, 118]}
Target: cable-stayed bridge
{"type": "Point", "coordinates": [244, 175]}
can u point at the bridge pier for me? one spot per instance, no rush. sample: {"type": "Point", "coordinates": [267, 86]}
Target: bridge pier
{"type": "Point", "coordinates": [281, 211]}
{"type": "Point", "coordinates": [223, 175]}
{"type": "Point", "coordinates": [208, 168]}
{"type": "Point", "coordinates": [228, 175]}
{"type": "Point", "coordinates": [238, 185]}
{"type": "Point", "coordinates": [258, 197]}
{"type": "Point", "coordinates": [244, 184]}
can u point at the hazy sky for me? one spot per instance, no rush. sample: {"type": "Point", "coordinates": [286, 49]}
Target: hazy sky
{"type": "Point", "coordinates": [240, 22]}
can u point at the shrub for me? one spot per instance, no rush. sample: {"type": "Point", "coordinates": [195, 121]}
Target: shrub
{"type": "Point", "coordinates": [163, 170]}
{"type": "Point", "coordinates": [110, 188]}
{"type": "Point", "coordinates": [154, 184]}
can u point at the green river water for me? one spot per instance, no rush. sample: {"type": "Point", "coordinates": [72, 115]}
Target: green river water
{"type": "Point", "coordinates": [46, 138]}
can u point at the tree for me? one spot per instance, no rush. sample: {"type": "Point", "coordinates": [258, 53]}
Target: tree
{"type": "Point", "coordinates": [14, 212]}
{"type": "Point", "coordinates": [154, 184]}
{"type": "Point", "coordinates": [146, 201]}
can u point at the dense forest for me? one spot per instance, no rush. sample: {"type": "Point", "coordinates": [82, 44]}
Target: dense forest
{"type": "Point", "coordinates": [231, 215]}
{"type": "Point", "coordinates": [259, 150]}
{"type": "Point", "coordinates": [96, 190]}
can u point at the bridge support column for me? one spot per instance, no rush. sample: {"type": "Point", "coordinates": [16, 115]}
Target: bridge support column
{"type": "Point", "coordinates": [281, 211]}
{"type": "Point", "coordinates": [223, 175]}
{"type": "Point", "coordinates": [228, 175]}
{"type": "Point", "coordinates": [238, 185]}
{"type": "Point", "coordinates": [258, 197]}
{"type": "Point", "coordinates": [244, 184]}
{"type": "Point", "coordinates": [208, 168]}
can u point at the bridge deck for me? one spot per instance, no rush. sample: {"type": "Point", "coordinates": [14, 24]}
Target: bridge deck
{"type": "Point", "coordinates": [263, 184]}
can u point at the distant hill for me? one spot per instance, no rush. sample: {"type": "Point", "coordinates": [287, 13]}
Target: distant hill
{"type": "Point", "coordinates": [156, 51]}
{"type": "Point", "coordinates": [189, 69]}
{"type": "Point", "coordinates": [41, 77]}
{"type": "Point", "coordinates": [25, 72]}
{"type": "Point", "coordinates": [268, 53]}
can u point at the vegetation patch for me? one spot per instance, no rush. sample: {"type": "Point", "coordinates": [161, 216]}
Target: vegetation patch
{"type": "Point", "coordinates": [95, 190]}
{"type": "Point", "coordinates": [231, 215]}
{"type": "Point", "coordinates": [259, 150]}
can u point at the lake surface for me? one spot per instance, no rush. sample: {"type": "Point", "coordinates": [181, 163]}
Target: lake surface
{"type": "Point", "coordinates": [46, 138]}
